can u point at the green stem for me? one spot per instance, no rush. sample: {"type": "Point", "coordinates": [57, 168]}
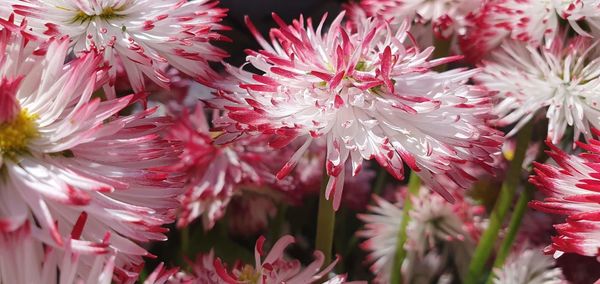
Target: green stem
{"type": "Point", "coordinates": [513, 228]}
{"type": "Point", "coordinates": [325, 223]}
{"type": "Point", "coordinates": [503, 203]}
{"type": "Point", "coordinates": [380, 181]}
{"type": "Point", "coordinates": [414, 183]}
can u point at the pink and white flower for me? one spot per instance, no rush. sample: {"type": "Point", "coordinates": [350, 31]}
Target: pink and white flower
{"type": "Point", "coordinates": [215, 173]}
{"type": "Point", "coordinates": [274, 268]}
{"type": "Point", "coordinates": [445, 17]}
{"type": "Point", "coordinates": [438, 233]}
{"type": "Point", "coordinates": [561, 80]}
{"type": "Point", "coordinates": [367, 95]}
{"type": "Point", "coordinates": [63, 152]}
{"type": "Point", "coordinates": [529, 266]}
{"type": "Point", "coordinates": [24, 259]}
{"type": "Point", "coordinates": [571, 190]}
{"type": "Point", "coordinates": [535, 22]}
{"type": "Point", "coordinates": [139, 34]}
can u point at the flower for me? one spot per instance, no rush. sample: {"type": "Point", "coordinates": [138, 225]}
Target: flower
{"type": "Point", "coordinates": [530, 21]}
{"type": "Point", "coordinates": [438, 233]}
{"type": "Point", "coordinates": [216, 173]}
{"type": "Point", "coordinates": [63, 152]}
{"type": "Point", "coordinates": [367, 95]}
{"type": "Point", "coordinates": [274, 268]}
{"type": "Point", "coordinates": [140, 34]}
{"type": "Point", "coordinates": [571, 190]}
{"type": "Point", "coordinates": [529, 266]}
{"type": "Point", "coordinates": [381, 229]}
{"type": "Point", "coordinates": [561, 80]}
{"type": "Point", "coordinates": [445, 16]}
{"type": "Point", "coordinates": [25, 259]}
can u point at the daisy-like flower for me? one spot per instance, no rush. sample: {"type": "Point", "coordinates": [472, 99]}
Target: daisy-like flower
{"type": "Point", "coordinates": [445, 16]}
{"type": "Point", "coordinates": [535, 22]}
{"type": "Point", "coordinates": [438, 233]}
{"type": "Point", "coordinates": [274, 268]}
{"type": "Point", "coordinates": [529, 266]}
{"type": "Point", "coordinates": [382, 225]}
{"type": "Point", "coordinates": [561, 80]}
{"type": "Point", "coordinates": [218, 172]}
{"type": "Point", "coordinates": [367, 95]}
{"type": "Point", "coordinates": [571, 190]}
{"type": "Point", "coordinates": [139, 34]}
{"type": "Point", "coordinates": [63, 152]}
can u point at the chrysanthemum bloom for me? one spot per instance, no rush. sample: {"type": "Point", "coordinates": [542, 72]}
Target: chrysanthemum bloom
{"type": "Point", "coordinates": [274, 268]}
{"type": "Point", "coordinates": [529, 266]}
{"type": "Point", "coordinates": [446, 17]}
{"type": "Point", "coordinates": [571, 189]}
{"type": "Point", "coordinates": [438, 233]}
{"type": "Point", "coordinates": [531, 21]}
{"type": "Point", "coordinates": [141, 34]}
{"type": "Point", "coordinates": [215, 173]}
{"type": "Point", "coordinates": [367, 95]}
{"type": "Point", "coordinates": [561, 80]}
{"type": "Point", "coordinates": [63, 152]}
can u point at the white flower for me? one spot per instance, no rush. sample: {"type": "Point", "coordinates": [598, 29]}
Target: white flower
{"type": "Point", "coordinates": [63, 152]}
{"type": "Point", "coordinates": [368, 96]}
{"type": "Point", "coordinates": [530, 266]}
{"type": "Point", "coordinates": [561, 81]}
{"type": "Point", "coordinates": [438, 233]}
{"type": "Point", "coordinates": [139, 34]}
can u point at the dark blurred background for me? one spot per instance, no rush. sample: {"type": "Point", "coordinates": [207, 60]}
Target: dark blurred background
{"type": "Point", "coordinates": [259, 12]}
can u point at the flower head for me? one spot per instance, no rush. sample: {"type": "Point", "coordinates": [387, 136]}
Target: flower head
{"type": "Point", "coordinates": [274, 267]}
{"type": "Point", "coordinates": [367, 95]}
{"type": "Point", "coordinates": [139, 34]}
{"type": "Point", "coordinates": [561, 80]}
{"type": "Point", "coordinates": [438, 233]}
{"type": "Point", "coordinates": [529, 266]}
{"type": "Point", "coordinates": [217, 173]}
{"type": "Point", "coordinates": [446, 17]}
{"type": "Point", "coordinates": [535, 22]}
{"type": "Point", "coordinates": [571, 189]}
{"type": "Point", "coordinates": [63, 152]}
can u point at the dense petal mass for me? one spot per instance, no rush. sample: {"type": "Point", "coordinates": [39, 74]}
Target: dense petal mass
{"type": "Point", "coordinates": [529, 266]}
{"type": "Point", "coordinates": [534, 22]}
{"type": "Point", "coordinates": [571, 189]}
{"type": "Point", "coordinates": [217, 173]}
{"type": "Point", "coordinates": [25, 259]}
{"type": "Point", "coordinates": [137, 34]}
{"type": "Point", "coordinates": [561, 80]}
{"type": "Point", "coordinates": [64, 152]}
{"type": "Point", "coordinates": [367, 95]}
{"type": "Point", "coordinates": [438, 233]}
{"type": "Point", "coordinates": [445, 16]}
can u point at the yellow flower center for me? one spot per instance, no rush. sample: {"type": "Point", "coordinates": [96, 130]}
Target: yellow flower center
{"type": "Point", "coordinates": [249, 275]}
{"type": "Point", "coordinates": [107, 13]}
{"type": "Point", "coordinates": [16, 134]}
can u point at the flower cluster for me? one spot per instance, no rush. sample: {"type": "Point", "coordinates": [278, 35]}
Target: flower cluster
{"type": "Point", "coordinates": [399, 140]}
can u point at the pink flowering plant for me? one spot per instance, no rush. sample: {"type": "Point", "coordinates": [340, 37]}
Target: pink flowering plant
{"type": "Point", "coordinates": [382, 141]}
